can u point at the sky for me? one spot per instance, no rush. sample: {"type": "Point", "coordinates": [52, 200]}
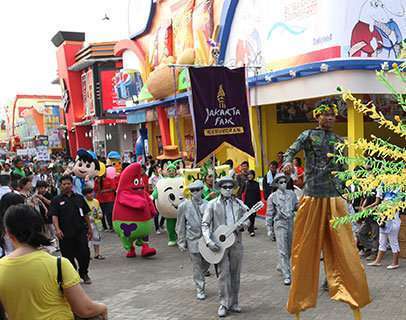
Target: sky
{"type": "Point", "coordinates": [27, 55]}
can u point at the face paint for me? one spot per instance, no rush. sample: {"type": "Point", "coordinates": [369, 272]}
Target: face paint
{"type": "Point", "coordinates": [226, 190]}
{"type": "Point", "coordinates": [282, 185]}
{"type": "Point", "coordinates": [196, 194]}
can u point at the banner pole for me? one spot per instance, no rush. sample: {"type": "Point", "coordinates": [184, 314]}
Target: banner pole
{"type": "Point", "coordinates": [260, 128]}
{"type": "Point", "coordinates": [176, 113]}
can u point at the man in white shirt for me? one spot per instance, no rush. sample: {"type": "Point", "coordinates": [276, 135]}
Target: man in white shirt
{"type": "Point", "coordinates": [41, 176]}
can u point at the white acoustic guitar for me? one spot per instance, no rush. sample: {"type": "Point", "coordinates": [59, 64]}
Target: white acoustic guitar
{"type": "Point", "coordinates": [224, 237]}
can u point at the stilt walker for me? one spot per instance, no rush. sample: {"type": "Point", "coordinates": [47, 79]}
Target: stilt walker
{"type": "Point", "coordinates": [313, 232]}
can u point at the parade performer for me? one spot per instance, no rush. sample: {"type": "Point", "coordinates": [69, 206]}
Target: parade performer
{"type": "Point", "coordinates": [313, 232]}
{"type": "Point", "coordinates": [170, 154]}
{"type": "Point", "coordinates": [189, 231]}
{"type": "Point", "coordinates": [168, 194]}
{"type": "Point", "coordinates": [133, 212]}
{"type": "Point", "coordinates": [226, 210]}
{"type": "Point", "coordinates": [86, 167]}
{"type": "Point", "coordinates": [208, 174]}
{"type": "Point", "coordinates": [281, 206]}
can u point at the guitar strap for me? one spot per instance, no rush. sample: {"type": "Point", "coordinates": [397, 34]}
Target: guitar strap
{"type": "Point", "coordinates": [216, 269]}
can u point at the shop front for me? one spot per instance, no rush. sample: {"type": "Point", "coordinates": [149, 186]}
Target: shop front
{"type": "Point", "coordinates": [284, 117]}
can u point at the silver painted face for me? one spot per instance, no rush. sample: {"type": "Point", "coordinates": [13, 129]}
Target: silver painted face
{"type": "Point", "coordinates": [197, 195]}
{"type": "Point", "coordinates": [282, 185]}
{"type": "Point", "coordinates": [226, 190]}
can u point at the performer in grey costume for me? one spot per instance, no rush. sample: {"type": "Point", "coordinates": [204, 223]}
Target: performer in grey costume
{"type": "Point", "coordinates": [281, 206]}
{"type": "Point", "coordinates": [226, 210]}
{"type": "Point", "coordinates": [189, 230]}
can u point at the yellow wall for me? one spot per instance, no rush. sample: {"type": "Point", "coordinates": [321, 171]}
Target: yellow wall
{"type": "Point", "coordinates": [281, 135]}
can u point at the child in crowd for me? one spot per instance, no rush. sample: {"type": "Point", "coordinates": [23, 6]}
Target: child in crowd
{"type": "Point", "coordinates": [95, 216]}
{"type": "Point", "coordinates": [281, 207]}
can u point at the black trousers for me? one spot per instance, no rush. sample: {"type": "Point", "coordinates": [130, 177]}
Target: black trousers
{"type": "Point", "coordinates": [107, 209]}
{"type": "Point", "coordinates": [77, 248]}
{"type": "Point", "coordinates": [251, 228]}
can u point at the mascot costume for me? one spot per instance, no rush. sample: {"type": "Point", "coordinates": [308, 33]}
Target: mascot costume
{"type": "Point", "coordinates": [84, 170]}
{"type": "Point", "coordinates": [133, 212]}
{"type": "Point", "coordinates": [191, 175]}
{"type": "Point", "coordinates": [168, 194]}
{"type": "Point", "coordinates": [114, 159]}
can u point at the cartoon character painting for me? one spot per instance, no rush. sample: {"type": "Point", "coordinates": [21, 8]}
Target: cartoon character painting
{"type": "Point", "coordinates": [85, 168]}
{"type": "Point", "coordinates": [377, 34]}
{"type": "Point", "coordinates": [133, 212]}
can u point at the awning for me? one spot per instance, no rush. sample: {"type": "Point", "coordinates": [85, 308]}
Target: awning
{"type": "Point", "coordinates": [167, 101]}
{"type": "Point", "coordinates": [86, 63]}
{"type": "Point", "coordinates": [324, 66]}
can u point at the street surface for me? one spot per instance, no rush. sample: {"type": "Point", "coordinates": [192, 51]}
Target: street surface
{"type": "Point", "coordinates": [161, 287]}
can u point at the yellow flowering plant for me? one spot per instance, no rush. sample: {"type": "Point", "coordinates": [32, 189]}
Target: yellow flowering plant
{"type": "Point", "coordinates": [381, 164]}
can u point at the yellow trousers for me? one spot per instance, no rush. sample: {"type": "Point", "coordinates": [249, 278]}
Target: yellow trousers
{"type": "Point", "coordinates": [314, 234]}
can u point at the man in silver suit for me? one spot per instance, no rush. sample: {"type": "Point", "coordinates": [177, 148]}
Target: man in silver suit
{"type": "Point", "coordinates": [280, 213]}
{"type": "Point", "coordinates": [189, 230]}
{"type": "Point", "coordinates": [226, 210]}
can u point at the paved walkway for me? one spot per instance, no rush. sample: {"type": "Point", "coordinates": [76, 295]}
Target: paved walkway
{"type": "Point", "coordinates": [161, 288]}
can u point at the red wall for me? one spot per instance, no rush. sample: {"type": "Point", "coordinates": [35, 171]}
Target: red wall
{"type": "Point", "coordinates": [65, 56]}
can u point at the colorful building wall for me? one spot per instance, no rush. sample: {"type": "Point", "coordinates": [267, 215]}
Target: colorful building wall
{"type": "Point", "coordinates": [272, 35]}
{"type": "Point", "coordinates": [25, 115]}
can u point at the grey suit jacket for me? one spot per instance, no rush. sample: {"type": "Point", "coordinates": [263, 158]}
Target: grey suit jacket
{"type": "Point", "coordinates": [189, 224]}
{"type": "Point", "coordinates": [215, 215]}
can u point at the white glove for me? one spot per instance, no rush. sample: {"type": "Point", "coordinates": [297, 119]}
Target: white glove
{"type": "Point", "coordinates": [213, 246]}
{"type": "Point", "coordinates": [241, 225]}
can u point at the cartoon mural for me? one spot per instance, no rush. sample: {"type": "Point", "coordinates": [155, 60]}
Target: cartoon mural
{"type": "Point", "coordinates": [297, 32]}
{"type": "Point", "coordinates": [377, 33]}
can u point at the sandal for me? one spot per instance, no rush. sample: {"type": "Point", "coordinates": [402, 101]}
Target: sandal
{"type": "Point", "coordinates": [392, 267]}
{"type": "Point", "coordinates": [374, 264]}
{"type": "Point", "coordinates": [99, 257]}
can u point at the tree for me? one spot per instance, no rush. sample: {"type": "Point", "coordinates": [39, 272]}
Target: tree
{"type": "Point", "coordinates": [380, 164]}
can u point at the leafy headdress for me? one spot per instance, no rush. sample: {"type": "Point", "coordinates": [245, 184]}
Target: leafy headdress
{"type": "Point", "coordinates": [325, 107]}
{"type": "Point", "coordinates": [173, 165]}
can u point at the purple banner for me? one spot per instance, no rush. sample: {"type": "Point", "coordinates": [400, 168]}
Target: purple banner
{"type": "Point", "coordinates": [219, 110]}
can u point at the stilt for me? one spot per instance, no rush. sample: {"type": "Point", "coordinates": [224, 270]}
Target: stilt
{"type": "Point", "coordinates": [357, 314]}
